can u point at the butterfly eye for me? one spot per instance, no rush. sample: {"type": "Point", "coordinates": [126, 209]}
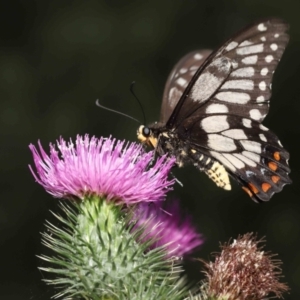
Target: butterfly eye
{"type": "Point", "coordinates": [146, 131]}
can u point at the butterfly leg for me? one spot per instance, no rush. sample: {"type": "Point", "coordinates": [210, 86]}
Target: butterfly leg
{"type": "Point", "coordinates": [179, 182]}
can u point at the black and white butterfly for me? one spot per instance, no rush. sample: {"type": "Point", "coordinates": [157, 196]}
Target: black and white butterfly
{"type": "Point", "coordinates": [212, 109]}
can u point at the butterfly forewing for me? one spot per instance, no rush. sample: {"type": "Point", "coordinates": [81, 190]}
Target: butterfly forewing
{"type": "Point", "coordinates": [236, 78]}
{"type": "Point", "coordinates": [179, 79]}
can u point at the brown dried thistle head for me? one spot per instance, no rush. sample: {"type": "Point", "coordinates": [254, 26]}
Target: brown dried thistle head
{"type": "Point", "coordinates": [243, 271]}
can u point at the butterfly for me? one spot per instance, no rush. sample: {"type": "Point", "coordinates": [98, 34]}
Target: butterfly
{"type": "Point", "coordinates": [213, 107]}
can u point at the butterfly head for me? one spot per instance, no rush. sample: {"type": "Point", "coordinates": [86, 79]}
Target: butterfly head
{"type": "Point", "coordinates": [147, 136]}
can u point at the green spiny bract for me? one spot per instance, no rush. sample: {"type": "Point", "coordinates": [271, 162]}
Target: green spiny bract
{"type": "Point", "coordinates": [97, 257]}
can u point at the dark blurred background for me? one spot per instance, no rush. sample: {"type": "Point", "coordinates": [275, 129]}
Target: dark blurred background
{"type": "Point", "coordinates": [58, 57]}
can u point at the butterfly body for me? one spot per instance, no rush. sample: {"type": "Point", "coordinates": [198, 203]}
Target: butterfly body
{"type": "Point", "coordinates": [212, 110]}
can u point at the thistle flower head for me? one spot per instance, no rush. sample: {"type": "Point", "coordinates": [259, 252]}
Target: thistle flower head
{"type": "Point", "coordinates": [167, 227]}
{"type": "Point", "coordinates": [243, 271]}
{"type": "Point", "coordinates": [105, 167]}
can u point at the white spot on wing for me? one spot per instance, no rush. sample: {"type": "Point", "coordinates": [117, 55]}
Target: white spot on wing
{"type": "Point", "coordinates": [234, 64]}
{"type": "Point", "coordinates": [235, 161]}
{"type": "Point", "coordinates": [182, 82]}
{"type": "Point", "coordinates": [247, 123]}
{"type": "Point", "coordinates": [263, 39]}
{"type": "Point", "coordinates": [260, 99]}
{"type": "Point", "coordinates": [262, 137]}
{"type": "Point", "coordinates": [214, 124]}
{"type": "Point", "coordinates": [276, 35]}
{"type": "Point", "coordinates": [216, 108]}
{"type": "Point", "coordinates": [198, 56]}
{"type": "Point", "coordinates": [193, 68]}
{"type": "Point", "coordinates": [269, 58]}
{"type": "Point", "coordinates": [182, 70]}
{"type": "Point", "coordinates": [274, 47]}
{"type": "Point", "coordinates": [231, 46]}
{"type": "Point", "coordinates": [242, 84]}
{"type": "Point", "coordinates": [262, 86]}
{"type": "Point", "coordinates": [264, 71]}
{"type": "Point", "coordinates": [174, 96]}
{"type": "Point", "coordinates": [206, 84]}
{"type": "Point", "coordinates": [255, 114]}
{"type": "Point", "coordinates": [233, 97]}
{"type": "Point", "coordinates": [261, 27]}
{"type": "Point", "coordinates": [243, 72]}
{"type": "Point", "coordinates": [218, 142]}
{"type": "Point", "coordinates": [245, 43]}
{"type": "Point", "coordinates": [251, 146]}
{"type": "Point", "coordinates": [262, 127]}
{"type": "Point", "coordinates": [237, 134]}
{"type": "Point", "coordinates": [250, 60]}
{"type": "Point", "coordinates": [250, 49]}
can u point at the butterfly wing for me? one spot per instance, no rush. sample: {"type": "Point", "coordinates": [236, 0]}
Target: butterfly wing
{"type": "Point", "coordinates": [221, 110]}
{"type": "Point", "coordinates": [178, 80]}
{"type": "Point", "coordinates": [237, 77]}
{"type": "Point", "coordinates": [250, 153]}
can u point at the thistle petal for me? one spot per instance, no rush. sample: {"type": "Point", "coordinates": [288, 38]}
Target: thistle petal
{"type": "Point", "coordinates": [117, 170]}
{"type": "Point", "coordinates": [167, 227]}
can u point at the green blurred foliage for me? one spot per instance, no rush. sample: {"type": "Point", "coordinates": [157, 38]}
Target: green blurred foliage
{"type": "Point", "coordinates": [58, 57]}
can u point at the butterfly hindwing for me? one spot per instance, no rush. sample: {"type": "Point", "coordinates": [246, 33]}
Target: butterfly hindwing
{"type": "Point", "coordinates": [250, 153]}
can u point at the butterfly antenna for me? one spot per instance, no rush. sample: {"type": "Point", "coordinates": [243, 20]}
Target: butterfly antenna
{"type": "Point", "coordinates": [117, 112]}
{"type": "Point", "coordinates": [137, 99]}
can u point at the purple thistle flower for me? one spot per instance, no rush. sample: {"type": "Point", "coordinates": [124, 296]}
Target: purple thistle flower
{"type": "Point", "coordinates": [167, 228]}
{"type": "Point", "coordinates": [105, 167]}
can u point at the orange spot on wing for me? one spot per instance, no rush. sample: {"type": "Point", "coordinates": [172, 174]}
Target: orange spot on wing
{"type": "Point", "coordinates": [247, 191]}
{"type": "Point", "coordinates": [276, 155]}
{"type": "Point", "coordinates": [253, 188]}
{"type": "Point", "coordinates": [273, 166]}
{"type": "Point", "coordinates": [265, 186]}
{"type": "Point", "coordinates": [275, 178]}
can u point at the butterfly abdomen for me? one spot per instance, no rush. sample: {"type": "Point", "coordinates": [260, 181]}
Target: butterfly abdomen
{"type": "Point", "coordinates": [212, 168]}
{"type": "Point", "coordinates": [185, 154]}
